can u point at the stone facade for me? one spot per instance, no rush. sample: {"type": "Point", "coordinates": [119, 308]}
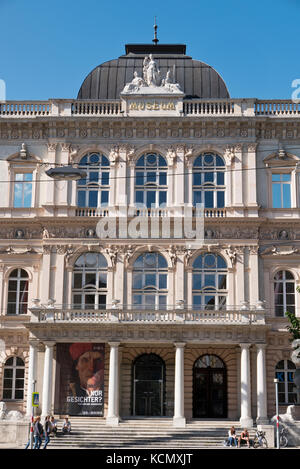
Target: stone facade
{"type": "Point", "coordinates": [46, 237]}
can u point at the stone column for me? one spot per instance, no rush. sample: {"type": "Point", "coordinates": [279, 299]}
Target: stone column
{"type": "Point", "coordinates": [251, 176]}
{"type": "Point", "coordinates": [48, 379]}
{"type": "Point", "coordinates": [113, 385]}
{"type": "Point", "coordinates": [238, 200]}
{"type": "Point", "coordinates": [246, 419]}
{"type": "Point", "coordinates": [262, 417]}
{"type": "Point", "coordinates": [31, 376]}
{"type": "Point", "coordinates": [179, 418]}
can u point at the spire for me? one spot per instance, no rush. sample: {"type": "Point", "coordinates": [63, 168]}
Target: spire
{"type": "Point", "coordinates": [155, 40]}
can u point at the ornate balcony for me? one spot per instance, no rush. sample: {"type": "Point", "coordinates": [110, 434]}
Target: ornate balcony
{"type": "Point", "coordinates": [230, 315]}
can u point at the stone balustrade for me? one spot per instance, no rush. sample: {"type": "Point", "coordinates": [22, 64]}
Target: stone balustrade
{"type": "Point", "coordinates": [226, 316]}
{"type": "Point", "coordinates": [116, 108]}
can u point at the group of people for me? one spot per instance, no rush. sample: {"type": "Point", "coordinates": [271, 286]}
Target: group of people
{"type": "Point", "coordinates": [49, 428]}
{"type": "Point", "coordinates": [233, 439]}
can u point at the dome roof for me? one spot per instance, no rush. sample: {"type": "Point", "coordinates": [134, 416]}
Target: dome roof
{"type": "Point", "coordinates": [196, 79]}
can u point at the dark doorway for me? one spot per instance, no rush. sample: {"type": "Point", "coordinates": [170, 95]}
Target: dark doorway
{"type": "Point", "coordinates": [148, 385]}
{"type": "Point", "coordinates": [209, 388]}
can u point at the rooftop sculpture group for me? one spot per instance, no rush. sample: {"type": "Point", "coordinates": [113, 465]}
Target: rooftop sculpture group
{"type": "Point", "coordinates": [152, 81]}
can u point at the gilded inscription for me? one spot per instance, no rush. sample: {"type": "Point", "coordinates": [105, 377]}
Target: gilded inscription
{"type": "Point", "coordinates": [151, 106]}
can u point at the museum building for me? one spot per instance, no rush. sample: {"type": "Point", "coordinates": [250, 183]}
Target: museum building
{"type": "Point", "coordinates": [149, 245]}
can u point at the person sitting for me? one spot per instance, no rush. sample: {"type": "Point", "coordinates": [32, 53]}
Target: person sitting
{"type": "Point", "coordinates": [232, 437]}
{"type": "Point", "coordinates": [66, 428]}
{"type": "Point", "coordinates": [244, 438]}
{"type": "Point", "coordinates": [53, 425]}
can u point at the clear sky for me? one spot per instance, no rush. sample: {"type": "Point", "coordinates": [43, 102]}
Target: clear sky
{"type": "Point", "coordinates": [49, 46]}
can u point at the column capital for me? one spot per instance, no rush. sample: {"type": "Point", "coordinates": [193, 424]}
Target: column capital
{"type": "Point", "coordinates": [245, 345]}
{"type": "Point", "coordinates": [33, 343]}
{"type": "Point", "coordinates": [261, 346]}
{"type": "Point", "coordinates": [179, 344]}
{"type": "Point", "coordinates": [49, 343]}
{"type": "Point", "coordinates": [114, 344]}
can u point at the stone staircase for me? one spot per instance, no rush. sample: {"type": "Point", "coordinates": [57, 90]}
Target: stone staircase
{"type": "Point", "coordinates": [93, 433]}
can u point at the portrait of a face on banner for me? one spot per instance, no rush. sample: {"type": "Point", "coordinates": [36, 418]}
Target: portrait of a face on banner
{"type": "Point", "coordinates": [82, 378]}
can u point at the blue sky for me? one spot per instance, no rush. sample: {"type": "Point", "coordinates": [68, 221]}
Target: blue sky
{"type": "Point", "coordinates": [48, 47]}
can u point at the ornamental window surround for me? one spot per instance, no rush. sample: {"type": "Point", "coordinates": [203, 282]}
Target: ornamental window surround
{"type": "Point", "coordinates": [17, 299]}
{"type": "Point", "coordinates": [150, 281]}
{"type": "Point", "coordinates": [89, 287]}
{"type": "Point", "coordinates": [151, 183]}
{"type": "Point", "coordinates": [13, 379]}
{"type": "Point", "coordinates": [209, 181]}
{"type": "Point", "coordinates": [23, 175]}
{"type": "Point", "coordinates": [93, 191]}
{"type": "Point", "coordinates": [284, 293]}
{"type": "Point", "coordinates": [209, 282]}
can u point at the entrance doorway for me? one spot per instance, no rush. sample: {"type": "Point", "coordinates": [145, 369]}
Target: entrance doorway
{"type": "Point", "coordinates": [209, 388]}
{"type": "Point", "coordinates": [148, 386]}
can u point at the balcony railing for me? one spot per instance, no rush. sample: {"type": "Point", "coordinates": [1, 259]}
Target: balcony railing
{"type": "Point", "coordinates": [114, 108]}
{"type": "Point", "coordinates": [142, 315]}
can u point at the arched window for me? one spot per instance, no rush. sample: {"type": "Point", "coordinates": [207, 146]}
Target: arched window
{"type": "Point", "coordinates": [149, 284]}
{"type": "Point", "coordinates": [151, 181]}
{"type": "Point", "coordinates": [284, 372]}
{"type": "Point", "coordinates": [18, 292]}
{"type": "Point", "coordinates": [208, 181]}
{"type": "Point", "coordinates": [13, 379]}
{"type": "Point", "coordinates": [93, 191]}
{"type": "Point", "coordinates": [284, 292]}
{"type": "Point", "coordinates": [90, 281]}
{"type": "Point", "coordinates": [209, 282]}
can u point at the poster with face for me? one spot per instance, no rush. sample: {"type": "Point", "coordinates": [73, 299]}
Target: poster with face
{"type": "Point", "coordinates": [81, 378]}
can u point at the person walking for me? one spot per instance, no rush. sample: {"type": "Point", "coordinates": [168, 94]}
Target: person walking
{"type": "Point", "coordinates": [37, 433]}
{"type": "Point", "coordinates": [47, 431]}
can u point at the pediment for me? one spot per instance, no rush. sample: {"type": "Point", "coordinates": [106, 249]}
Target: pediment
{"type": "Point", "coordinates": [281, 158]}
{"type": "Point", "coordinates": [23, 156]}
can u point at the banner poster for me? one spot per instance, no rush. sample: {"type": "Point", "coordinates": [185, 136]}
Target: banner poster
{"type": "Point", "coordinates": [81, 389]}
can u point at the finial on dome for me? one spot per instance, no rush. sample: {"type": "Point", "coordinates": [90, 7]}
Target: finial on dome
{"type": "Point", "coordinates": [155, 40]}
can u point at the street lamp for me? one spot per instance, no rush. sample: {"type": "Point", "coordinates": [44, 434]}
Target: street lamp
{"type": "Point", "coordinates": [32, 415]}
{"type": "Point", "coordinates": [66, 173]}
{"type": "Point", "coordinates": [276, 381]}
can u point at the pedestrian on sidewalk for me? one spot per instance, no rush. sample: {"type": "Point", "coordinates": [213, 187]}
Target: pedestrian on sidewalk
{"type": "Point", "coordinates": [37, 433]}
{"type": "Point", "coordinates": [47, 431]}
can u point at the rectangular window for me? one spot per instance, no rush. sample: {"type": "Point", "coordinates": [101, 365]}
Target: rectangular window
{"type": "Point", "coordinates": [281, 190]}
{"type": "Point", "coordinates": [22, 190]}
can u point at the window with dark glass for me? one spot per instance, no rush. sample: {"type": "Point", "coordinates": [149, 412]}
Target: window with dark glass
{"type": "Point", "coordinates": [93, 191]}
{"type": "Point", "coordinates": [151, 181]}
{"type": "Point", "coordinates": [149, 283]}
{"type": "Point", "coordinates": [90, 281]}
{"type": "Point", "coordinates": [284, 292]}
{"type": "Point", "coordinates": [209, 282]}
{"type": "Point", "coordinates": [13, 379]}
{"type": "Point", "coordinates": [209, 181]}
{"type": "Point", "coordinates": [17, 302]}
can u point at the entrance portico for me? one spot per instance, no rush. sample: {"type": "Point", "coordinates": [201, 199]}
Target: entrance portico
{"type": "Point", "coordinates": [149, 378]}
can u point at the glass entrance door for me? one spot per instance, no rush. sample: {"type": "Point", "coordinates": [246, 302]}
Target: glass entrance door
{"type": "Point", "coordinates": [210, 388]}
{"type": "Point", "coordinates": [148, 385]}
{"type": "Point", "coordinates": [148, 398]}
